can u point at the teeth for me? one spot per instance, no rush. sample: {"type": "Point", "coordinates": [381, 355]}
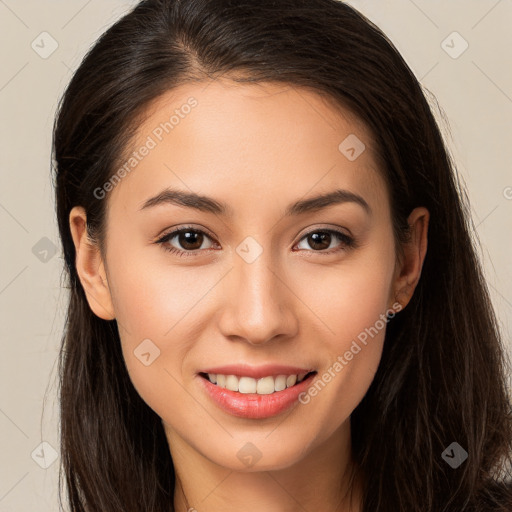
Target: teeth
{"type": "Point", "coordinates": [246, 385]}
{"type": "Point", "coordinates": [221, 380]}
{"type": "Point", "coordinates": [263, 386]}
{"type": "Point", "coordinates": [291, 380]}
{"type": "Point", "coordinates": [280, 383]}
{"type": "Point", "coordinates": [232, 383]}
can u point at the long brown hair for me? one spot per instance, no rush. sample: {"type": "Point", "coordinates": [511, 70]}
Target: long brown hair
{"type": "Point", "coordinates": [442, 376]}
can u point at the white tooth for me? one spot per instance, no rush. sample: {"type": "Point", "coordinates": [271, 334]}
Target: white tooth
{"type": "Point", "coordinates": [291, 380]}
{"type": "Point", "coordinates": [232, 382]}
{"type": "Point", "coordinates": [280, 383]}
{"type": "Point", "coordinates": [247, 385]}
{"type": "Point", "coordinates": [265, 386]}
{"type": "Point", "coordinates": [221, 380]}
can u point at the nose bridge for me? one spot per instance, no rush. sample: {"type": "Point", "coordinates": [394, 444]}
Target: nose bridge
{"type": "Point", "coordinates": [258, 306]}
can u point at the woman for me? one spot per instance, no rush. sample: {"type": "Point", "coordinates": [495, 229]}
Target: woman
{"type": "Point", "coordinates": [275, 300]}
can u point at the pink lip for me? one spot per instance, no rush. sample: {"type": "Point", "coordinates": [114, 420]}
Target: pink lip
{"type": "Point", "coordinates": [252, 405]}
{"type": "Point", "coordinates": [257, 372]}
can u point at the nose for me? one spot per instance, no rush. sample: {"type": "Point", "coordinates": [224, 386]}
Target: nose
{"type": "Point", "coordinates": [258, 304]}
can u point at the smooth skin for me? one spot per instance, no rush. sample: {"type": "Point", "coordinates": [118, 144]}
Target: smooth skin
{"type": "Point", "coordinates": [258, 148]}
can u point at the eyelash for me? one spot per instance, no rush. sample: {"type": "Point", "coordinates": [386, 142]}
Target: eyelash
{"type": "Point", "coordinates": [347, 241]}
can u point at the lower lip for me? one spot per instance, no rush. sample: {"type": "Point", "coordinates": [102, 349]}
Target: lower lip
{"type": "Point", "coordinates": [252, 405]}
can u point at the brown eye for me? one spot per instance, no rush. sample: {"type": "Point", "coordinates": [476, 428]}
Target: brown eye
{"type": "Point", "coordinates": [190, 240]}
{"type": "Point", "coordinates": [184, 241]}
{"type": "Point", "coordinates": [320, 240]}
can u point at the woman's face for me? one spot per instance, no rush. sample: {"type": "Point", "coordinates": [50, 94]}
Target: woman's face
{"type": "Point", "coordinates": [260, 281]}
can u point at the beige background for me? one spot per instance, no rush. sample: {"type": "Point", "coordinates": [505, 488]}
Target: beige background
{"type": "Point", "coordinates": [474, 90]}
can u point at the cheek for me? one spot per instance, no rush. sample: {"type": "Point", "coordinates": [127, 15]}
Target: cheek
{"type": "Point", "coordinates": [159, 310]}
{"type": "Point", "coordinates": [350, 297]}
{"type": "Point", "coordinates": [152, 298]}
{"type": "Point", "coordinates": [351, 302]}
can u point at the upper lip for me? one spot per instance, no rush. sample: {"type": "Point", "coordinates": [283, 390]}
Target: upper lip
{"type": "Point", "coordinates": [257, 372]}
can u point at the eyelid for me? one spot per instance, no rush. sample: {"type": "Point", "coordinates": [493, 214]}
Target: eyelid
{"type": "Point", "coordinates": [180, 228]}
{"type": "Point", "coordinates": [174, 230]}
{"type": "Point", "coordinates": [329, 228]}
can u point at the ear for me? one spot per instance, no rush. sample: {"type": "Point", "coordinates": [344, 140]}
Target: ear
{"type": "Point", "coordinates": [408, 270]}
{"type": "Point", "coordinates": [90, 266]}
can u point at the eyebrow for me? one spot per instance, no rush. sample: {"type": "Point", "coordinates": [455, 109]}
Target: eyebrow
{"type": "Point", "coordinates": [209, 205]}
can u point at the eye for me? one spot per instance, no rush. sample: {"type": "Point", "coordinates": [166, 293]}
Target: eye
{"type": "Point", "coordinates": [322, 239]}
{"type": "Point", "coordinates": [190, 239]}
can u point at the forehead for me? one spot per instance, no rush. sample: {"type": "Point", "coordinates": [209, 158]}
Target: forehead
{"type": "Point", "coordinates": [236, 141]}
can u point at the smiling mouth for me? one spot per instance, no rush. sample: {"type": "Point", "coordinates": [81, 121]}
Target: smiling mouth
{"type": "Point", "coordinates": [263, 386]}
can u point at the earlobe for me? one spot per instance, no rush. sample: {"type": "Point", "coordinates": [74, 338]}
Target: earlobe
{"type": "Point", "coordinates": [90, 267]}
{"type": "Point", "coordinates": [409, 272]}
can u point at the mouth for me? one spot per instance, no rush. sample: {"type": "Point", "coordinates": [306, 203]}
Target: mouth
{"type": "Point", "coordinates": [267, 385]}
{"type": "Point", "coordinates": [270, 391]}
